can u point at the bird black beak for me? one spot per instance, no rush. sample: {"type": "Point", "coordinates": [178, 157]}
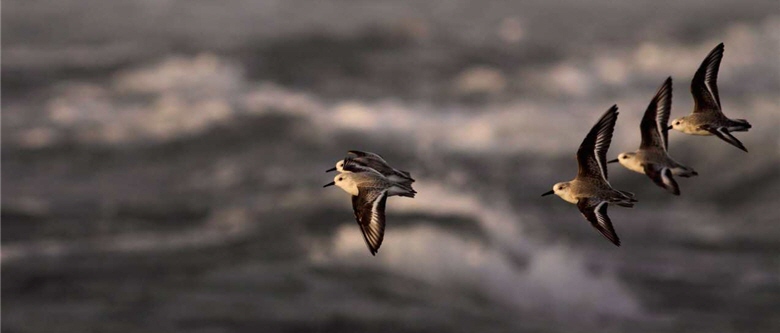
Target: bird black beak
{"type": "Point", "coordinates": [612, 161]}
{"type": "Point", "coordinates": [548, 193]}
{"type": "Point", "coordinates": [331, 169]}
{"type": "Point", "coordinates": [670, 127]}
{"type": "Point", "coordinates": [329, 184]}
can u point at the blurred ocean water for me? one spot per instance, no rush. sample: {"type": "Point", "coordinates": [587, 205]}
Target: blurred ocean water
{"type": "Point", "coordinates": [163, 163]}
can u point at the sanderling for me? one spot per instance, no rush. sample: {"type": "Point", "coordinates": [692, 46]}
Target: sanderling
{"type": "Point", "coordinates": [591, 190]}
{"type": "Point", "coordinates": [707, 117]}
{"type": "Point", "coordinates": [652, 157]}
{"type": "Point", "coordinates": [374, 161]}
{"type": "Point", "coordinates": [369, 192]}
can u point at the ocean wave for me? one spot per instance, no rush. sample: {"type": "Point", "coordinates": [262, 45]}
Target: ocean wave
{"type": "Point", "coordinates": [554, 272]}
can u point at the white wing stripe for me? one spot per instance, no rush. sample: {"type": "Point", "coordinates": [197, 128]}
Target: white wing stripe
{"type": "Point", "coordinates": [601, 167]}
{"type": "Point", "coordinates": [665, 178]}
{"type": "Point", "coordinates": [600, 217]}
{"type": "Point", "coordinates": [375, 223]}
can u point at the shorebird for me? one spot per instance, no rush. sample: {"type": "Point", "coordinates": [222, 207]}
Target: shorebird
{"type": "Point", "coordinates": [591, 190]}
{"type": "Point", "coordinates": [707, 117]}
{"type": "Point", "coordinates": [652, 157]}
{"type": "Point", "coordinates": [369, 192]}
{"type": "Point", "coordinates": [362, 160]}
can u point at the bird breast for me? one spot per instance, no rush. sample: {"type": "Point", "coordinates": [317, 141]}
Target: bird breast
{"type": "Point", "coordinates": [349, 187]}
{"type": "Point", "coordinates": [633, 164]}
{"type": "Point", "coordinates": [567, 195]}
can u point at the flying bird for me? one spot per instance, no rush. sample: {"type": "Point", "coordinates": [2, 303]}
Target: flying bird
{"type": "Point", "coordinates": [652, 157]}
{"type": "Point", "coordinates": [361, 160]}
{"type": "Point", "coordinates": [590, 190]}
{"type": "Point", "coordinates": [707, 117]}
{"type": "Point", "coordinates": [369, 190]}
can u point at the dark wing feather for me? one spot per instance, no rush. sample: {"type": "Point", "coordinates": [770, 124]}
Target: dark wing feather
{"type": "Point", "coordinates": [366, 154]}
{"type": "Point", "coordinates": [356, 166]}
{"type": "Point", "coordinates": [404, 174]}
{"type": "Point", "coordinates": [724, 134]}
{"type": "Point", "coordinates": [377, 163]}
{"type": "Point", "coordinates": [595, 211]}
{"type": "Point", "coordinates": [704, 85]}
{"type": "Point", "coordinates": [654, 128]}
{"type": "Point", "coordinates": [369, 208]}
{"type": "Point", "coordinates": [662, 177]}
{"type": "Point", "coordinates": [592, 155]}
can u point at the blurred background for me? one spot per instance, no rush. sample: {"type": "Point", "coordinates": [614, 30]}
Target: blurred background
{"type": "Point", "coordinates": [163, 164]}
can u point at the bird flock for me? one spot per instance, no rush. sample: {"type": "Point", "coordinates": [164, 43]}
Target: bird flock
{"type": "Point", "coordinates": [370, 179]}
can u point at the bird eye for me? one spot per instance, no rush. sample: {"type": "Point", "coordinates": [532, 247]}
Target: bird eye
{"type": "Point", "coordinates": [339, 178]}
{"type": "Point", "coordinates": [625, 157]}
